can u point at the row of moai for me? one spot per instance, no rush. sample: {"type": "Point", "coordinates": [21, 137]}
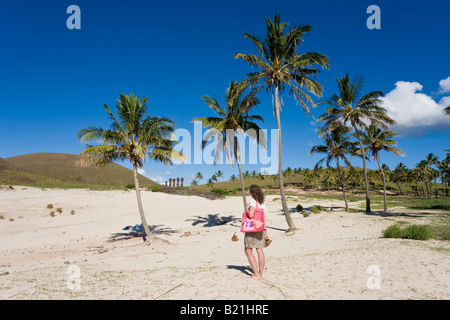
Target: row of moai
{"type": "Point", "coordinates": [173, 181]}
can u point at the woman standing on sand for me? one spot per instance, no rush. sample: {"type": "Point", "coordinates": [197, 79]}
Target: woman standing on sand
{"type": "Point", "coordinates": [256, 240]}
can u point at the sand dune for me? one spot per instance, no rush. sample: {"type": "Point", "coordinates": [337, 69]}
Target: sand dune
{"type": "Point", "coordinates": [87, 255]}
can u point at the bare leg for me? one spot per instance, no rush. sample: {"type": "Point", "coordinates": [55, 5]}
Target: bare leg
{"type": "Point", "coordinates": [252, 261]}
{"type": "Point", "coordinates": [261, 260]}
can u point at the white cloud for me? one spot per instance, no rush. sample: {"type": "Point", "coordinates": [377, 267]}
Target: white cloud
{"type": "Point", "coordinates": [158, 177]}
{"type": "Point", "coordinates": [415, 113]}
{"type": "Point", "coordinates": [444, 85]}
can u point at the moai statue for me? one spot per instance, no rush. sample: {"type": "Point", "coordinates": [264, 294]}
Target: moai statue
{"type": "Point", "coordinates": [170, 183]}
{"type": "Point", "coordinates": [182, 179]}
{"type": "Point", "coordinates": [178, 182]}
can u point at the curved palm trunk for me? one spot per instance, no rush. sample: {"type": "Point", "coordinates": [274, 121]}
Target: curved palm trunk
{"type": "Point", "coordinates": [366, 181]}
{"type": "Point", "coordinates": [342, 183]}
{"type": "Point", "coordinates": [280, 166]}
{"type": "Point", "coordinates": [241, 176]}
{"type": "Point", "coordinates": [148, 233]}
{"type": "Point", "coordinates": [384, 183]}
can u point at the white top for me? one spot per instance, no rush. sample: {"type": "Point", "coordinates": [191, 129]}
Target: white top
{"type": "Point", "coordinates": [253, 204]}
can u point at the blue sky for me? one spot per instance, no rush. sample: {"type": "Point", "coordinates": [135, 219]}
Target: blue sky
{"type": "Point", "coordinates": [54, 81]}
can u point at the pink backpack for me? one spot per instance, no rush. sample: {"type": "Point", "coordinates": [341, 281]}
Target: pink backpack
{"type": "Point", "coordinates": [257, 224]}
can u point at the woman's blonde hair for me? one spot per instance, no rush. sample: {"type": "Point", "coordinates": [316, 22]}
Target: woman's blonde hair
{"type": "Point", "coordinates": [257, 193]}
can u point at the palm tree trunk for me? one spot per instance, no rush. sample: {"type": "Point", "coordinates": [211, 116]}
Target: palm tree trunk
{"type": "Point", "coordinates": [384, 183]}
{"type": "Point", "coordinates": [287, 215]}
{"type": "Point", "coordinates": [426, 186]}
{"type": "Point", "coordinates": [148, 233]}
{"type": "Point", "coordinates": [366, 181]}
{"type": "Point", "coordinates": [238, 157]}
{"type": "Point", "coordinates": [342, 183]}
{"type": "Point", "coordinates": [435, 186]}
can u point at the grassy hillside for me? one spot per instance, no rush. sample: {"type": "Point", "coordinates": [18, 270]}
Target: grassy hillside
{"type": "Point", "coordinates": [60, 170]}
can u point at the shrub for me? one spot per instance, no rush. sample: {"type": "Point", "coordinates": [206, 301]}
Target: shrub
{"type": "Point", "coordinates": [50, 206]}
{"type": "Point", "coordinates": [156, 189]}
{"type": "Point", "coordinates": [59, 210]}
{"type": "Point", "coordinates": [219, 191]}
{"type": "Point", "coordinates": [418, 232]}
{"type": "Point", "coordinates": [72, 212]}
{"type": "Point", "coordinates": [299, 208]}
{"type": "Point", "coordinates": [52, 214]}
{"type": "Point", "coordinates": [306, 214]}
{"type": "Point", "coordinates": [393, 231]}
{"type": "Point", "coordinates": [130, 186]}
{"type": "Point", "coordinates": [315, 209]}
{"type": "Point", "coordinates": [414, 232]}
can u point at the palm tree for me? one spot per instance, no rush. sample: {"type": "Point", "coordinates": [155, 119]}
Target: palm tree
{"type": "Point", "coordinates": [399, 175]}
{"type": "Point", "coordinates": [337, 146]}
{"type": "Point", "coordinates": [347, 107]}
{"type": "Point", "coordinates": [198, 176]}
{"type": "Point", "coordinates": [232, 119]}
{"type": "Point", "coordinates": [134, 136]}
{"type": "Point", "coordinates": [219, 174]}
{"type": "Point", "coordinates": [424, 173]}
{"type": "Point", "coordinates": [210, 183]}
{"type": "Point", "coordinates": [447, 111]}
{"type": "Point", "coordinates": [280, 67]}
{"type": "Point", "coordinates": [431, 160]}
{"type": "Point", "coordinates": [377, 140]}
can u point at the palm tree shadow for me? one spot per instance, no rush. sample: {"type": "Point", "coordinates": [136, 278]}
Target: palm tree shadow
{"type": "Point", "coordinates": [211, 220]}
{"type": "Point", "coordinates": [159, 229]}
{"type": "Point", "coordinates": [398, 214]}
{"type": "Point", "coordinates": [245, 270]}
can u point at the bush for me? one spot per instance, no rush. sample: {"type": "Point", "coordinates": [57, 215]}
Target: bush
{"type": "Point", "coordinates": [393, 231]}
{"type": "Point", "coordinates": [299, 208]}
{"type": "Point", "coordinates": [156, 189]}
{"type": "Point", "coordinates": [306, 214]}
{"type": "Point", "coordinates": [418, 232]}
{"type": "Point", "coordinates": [130, 186]}
{"type": "Point", "coordinates": [317, 209]}
{"type": "Point", "coordinates": [50, 206]}
{"type": "Point", "coordinates": [219, 191]}
{"type": "Point", "coordinates": [414, 232]}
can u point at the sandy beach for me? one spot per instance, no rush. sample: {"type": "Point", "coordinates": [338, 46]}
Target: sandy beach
{"type": "Point", "coordinates": [88, 255]}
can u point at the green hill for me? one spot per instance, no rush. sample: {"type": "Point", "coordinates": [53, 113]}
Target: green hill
{"type": "Point", "coordinates": [60, 170]}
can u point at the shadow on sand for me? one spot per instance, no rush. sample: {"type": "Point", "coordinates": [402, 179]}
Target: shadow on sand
{"type": "Point", "coordinates": [245, 270]}
{"type": "Point", "coordinates": [126, 235]}
{"type": "Point", "coordinates": [211, 220]}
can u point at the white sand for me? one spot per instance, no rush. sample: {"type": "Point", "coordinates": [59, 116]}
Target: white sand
{"type": "Point", "coordinates": [327, 259]}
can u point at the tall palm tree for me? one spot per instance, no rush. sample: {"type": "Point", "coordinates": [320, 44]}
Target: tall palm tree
{"type": "Point", "coordinates": [281, 67]}
{"type": "Point", "coordinates": [337, 146]}
{"type": "Point", "coordinates": [231, 120]}
{"type": "Point", "coordinates": [424, 173]}
{"type": "Point", "coordinates": [348, 107]}
{"type": "Point", "coordinates": [376, 140]}
{"type": "Point", "coordinates": [399, 175]}
{"type": "Point", "coordinates": [432, 160]}
{"type": "Point", "coordinates": [134, 136]}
